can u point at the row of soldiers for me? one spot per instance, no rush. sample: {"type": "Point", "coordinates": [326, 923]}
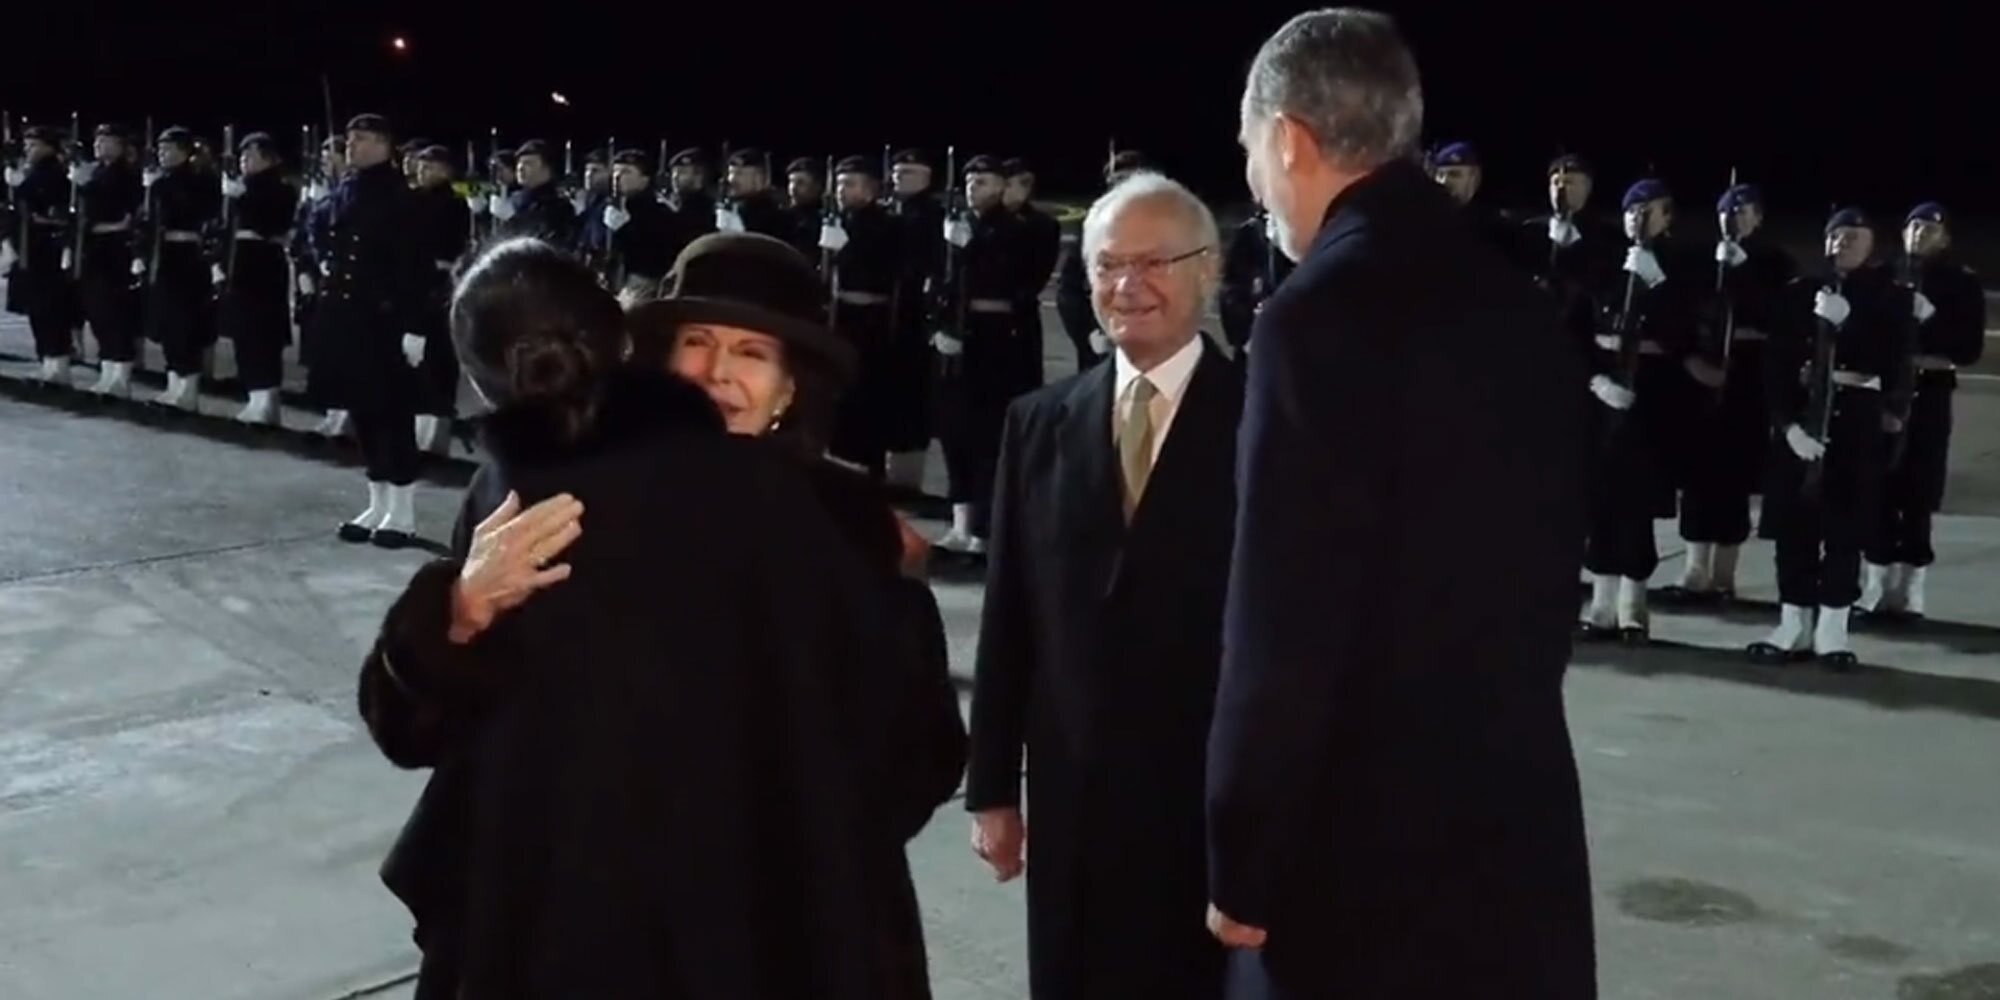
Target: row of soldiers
{"type": "Point", "coordinates": [1823, 385]}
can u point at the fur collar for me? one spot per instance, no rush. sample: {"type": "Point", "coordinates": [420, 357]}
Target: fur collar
{"type": "Point", "coordinates": [638, 405]}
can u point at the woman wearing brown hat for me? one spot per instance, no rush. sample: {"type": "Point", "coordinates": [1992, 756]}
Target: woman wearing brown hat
{"type": "Point", "coordinates": [657, 778]}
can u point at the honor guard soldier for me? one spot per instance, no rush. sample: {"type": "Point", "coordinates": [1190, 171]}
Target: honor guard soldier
{"type": "Point", "coordinates": [862, 248]}
{"type": "Point", "coordinates": [805, 205]}
{"type": "Point", "coordinates": [1250, 273]}
{"type": "Point", "coordinates": [1828, 368]}
{"type": "Point", "coordinates": [1041, 239]}
{"type": "Point", "coordinates": [111, 199]}
{"type": "Point", "coordinates": [502, 171]}
{"type": "Point", "coordinates": [411, 154]}
{"type": "Point", "coordinates": [38, 283]}
{"type": "Point", "coordinates": [749, 205]}
{"type": "Point", "coordinates": [537, 208]}
{"type": "Point", "coordinates": [309, 243]}
{"type": "Point", "coordinates": [1457, 167]}
{"type": "Point", "coordinates": [441, 226]}
{"type": "Point", "coordinates": [1642, 387]}
{"type": "Point", "coordinates": [185, 204]}
{"type": "Point", "coordinates": [986, 361]}
{"type": "Point", "coordinates": [920, 220]}
{"type": "Point", "coordinates": [690, 208]}
{"type": "Point", "coordinates": [255, 286]}
{"type": "Point", "coordinates": [641, 226]}
{"type": "Point", "coordinates": [1949, 320]}
{"type": "Point", "coordinates": [1730, 425]}
{"type": "Point", "coordinates": [371, 304]}
{"type": "Point", "coordinates": [1580, 254]}
{"type": "Point", "coordinates": [1079, 318]}
{"type": "Point", "coordinates": [593, 240]}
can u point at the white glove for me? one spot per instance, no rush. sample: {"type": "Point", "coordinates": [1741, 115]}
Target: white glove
{"type": "Point", "coordinates": [413, 349]}
{"type": "Point", "coordinates": [728, 221]}
{"type": "Point", "coordinates": [1641, 261]}
{"type": "Point", "coordinates": [1611, 393]}
{"type": "Point", "coordinates": [501, 206]}
{"type": "Point", "coordinates": [476, 204]}
{"type": "Point", "coordinates": [305, 283]}
{"type": "Point", "coordinates": [151, 176]}
{"type": "Point", "coordinates": [1099, 342]}
{"type": "Point", "coordinates": [1922, 309]}
{"type": "Point", "coordinates": [832, 237]}
{"type": "Point", "coordinates": [68, 261]}
{"type": "Point", "coordinates": [81, 173]}
{"type": "Point", "coordinates": [233, 187]}
{"type": "Point", "coordinates": [957, 232]}
{"type": "Point", "coordinates": [1730, 253]}
{"type": "Point", "coordinates": [138, 269]}
{"type": "Point", "coordinates": [1271, 229]}
{"type": "Point", "coordinates": [317, 191]}
{"type": "Point", "coordinates": [1804, 445]}
{"type": "Point", "coordinates": [579, 202]}
{"type": "Point", "coordinates": [16, 177]}
{"type": "Point", "coordinates": [7, 257]}
{"type": "Point", "coordinates": [215, 275]}
{"type": "Point", "coordinates": [1831, 306]}
{"type": "Point", "coordinates": [1563, 232]}
{"type": "Point", "coordinates": [615, 218]}
{"type": "Point", "coordinates": [947, 345]}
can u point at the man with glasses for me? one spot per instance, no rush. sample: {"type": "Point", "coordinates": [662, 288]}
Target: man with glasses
{"type": "Point", "coordinates": [1102, 627]}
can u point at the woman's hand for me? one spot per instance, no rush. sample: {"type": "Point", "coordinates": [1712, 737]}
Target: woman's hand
{"type": "Point", "coordinates": [509, 560]}
{"type": "Point", "coordinates": [916, 552]}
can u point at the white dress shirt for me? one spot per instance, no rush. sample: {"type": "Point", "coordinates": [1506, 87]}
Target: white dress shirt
{"type": "Point", "coordinates": [1169, 378]}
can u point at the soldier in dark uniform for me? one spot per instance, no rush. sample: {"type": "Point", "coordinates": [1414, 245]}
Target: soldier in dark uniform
{"type": "Point", "coordinates": [254, 292]}
{"type": "Point", "coordinates": [1079, 318]}
{"type": "Point", "coordinates": [864, 245]}
{"type": "Point", "coordinates": [641, 226]}
{"type": "Point", "coordinates": [1729, 424]}
{"type": "Point", "coordinates": [38, 281]}
{"type": "Point", "coordinates": [1041, 237]}
{"type": "Point", "coordinates": [919, 218]}
{"type": "Point", "coordinates": [411, 154]}
{"type": "Point", "coordinates": [1456, 165]}
{"type": "Point", "coordinates": [111, 198]}
{"type": "Point", "coordinates": [537, 208]}
{"type": "Point", "coordinates": [1642, 386]}
{"type": "Point", "coordinates": [180, 315]}
{"type": "Point", "coordinates": [1949, 316]}
{"type": "Point", "coordinates": [690, 208]}
{"type": "Point", "coordinates": [1825, 483]}
{"type": "Point", "coordinates": [309, 240]}
{"type": "Point", "coordinates": [1250, 273]}
{"type": "Point", "coordinates": [373, 281]}
{"type": "Point", "coordinates": [749, 204]}
{"type": "Point", "coordinates": [805, 205]}
{"type": "Point", "coordinates": [502, 169]}
{"type": "Point", "coordinates": [593, 239]}
{"type": "Point", "coordinates": [1573, 254]}
{"type": "Point", "coordinates": [986, 361]}
{"type": "Point", "coordinates": [440, 226]}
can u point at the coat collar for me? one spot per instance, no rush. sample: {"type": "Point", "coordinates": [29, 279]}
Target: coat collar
{"type": "Point", "coordinates": [1393, 189]}
{"type": "Point", "coordinates": [637, 406]}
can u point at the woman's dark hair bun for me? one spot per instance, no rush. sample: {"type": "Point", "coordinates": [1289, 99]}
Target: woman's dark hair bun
{"type": "Point", "coordinates": [537, 333]}
{"type": "Point", "coordinates": [548, 368]}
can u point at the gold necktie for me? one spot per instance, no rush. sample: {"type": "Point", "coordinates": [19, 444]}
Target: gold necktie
{"type": "Point", "coordinates": [1135, 443]}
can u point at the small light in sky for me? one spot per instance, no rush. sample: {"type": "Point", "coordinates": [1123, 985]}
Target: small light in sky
{"type": "Point", "coordinates": [557, 97]}
{"type": "Point", "coordinates": [400, 44]}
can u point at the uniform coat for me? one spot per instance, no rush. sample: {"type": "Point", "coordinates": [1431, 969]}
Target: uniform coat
{"type": "Point", "coordinates": [111, 200]}
{"type": "Point", "coordinates": [372, 281]}
{"type": "Point", "coordinates": [1098, 650]}
{"type": "Point", "coordinates": [1391, 789]}
{"type": "Point", "coordinates": [180, 303]}
{"type": "Point", "coordinates": [255, 300]}
{"type": "Point", "coordinates": [1250, 273]}
{"type": "Point", "coordinates": [1954, 337]}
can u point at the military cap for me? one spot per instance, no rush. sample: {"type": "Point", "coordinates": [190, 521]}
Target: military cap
{"type": "Point", "coordinates": [1929, 211]}
{"type": "Point", "coordinates": [690, 157]}
{"type": "Point", "coordinates": [502, 156]}
{"type": "Point", "coordinates": [1016, 166]}
{"type": "Point", "coordinates": [1847, 218]}
{"type": "Point", "coordinates": [1127, 161]}
{"type": "Point", "coordinates": [333, 144]}
{"type": "Point", "coordinates": [749, 157]}
{"type": "Point", "coordinates": [115, 131]}
{"type": "Point", "coordinates": [863, 165]}
{"type": "Point", "coordinates": [435, 153]}
{"type": "Point", "coordinates": [1455, 154]}
{"type": "Point", "coordinates": [43, 133]}
{"type": "Point", "coordinates": [260, 141]}
{"type": "Point", "coordinates": [1570, 163]}
{"type": "Point", "coordinates": [634, 158]}
{"type": "Point", "coordinates": [804, 165]}
{"type": "Point", "coordinates": [370, 123]}
{"type": "Point", "coordinates": [414, 147]}
{"type": "Point", "coordinates": [912, 158]}
{"type": "Point", "coordinates": [983, 165]}
{"type": "Point", "coordinates": [177, 136]}
{"type": "Point", "coordinates": [1737, 197]}
{"type": "Point", "coordinates": [1650, 189]}
{"type": "Point", "coordinates": [597, 156]}
{"type": "Point", "coordinates": [536, 147]}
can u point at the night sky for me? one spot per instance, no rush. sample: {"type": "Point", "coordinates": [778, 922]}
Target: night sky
{"type": "Point", "coordinates": [1884, 106]}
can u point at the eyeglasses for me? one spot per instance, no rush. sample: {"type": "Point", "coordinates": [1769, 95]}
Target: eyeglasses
{"type": "Point", "coordinates": [1107, 269]}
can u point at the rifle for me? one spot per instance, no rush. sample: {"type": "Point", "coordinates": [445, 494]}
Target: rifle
{"type": "Point", "coordinates": [231, 170]}
{"type": "Point", "coordinates": [954, 279]}
{"type": "Point", "coordinates": [1903, 390]}
{"type": "Point", "coordinates": [81, 235]}
{"type": "Point", "coordinates": [570, 183]}
{"type": "Point", "coordinates": [1627, 326]}
{"type": "Point", "coordinates": [1270, 255]}
{"type": "Point", "coordinates": [725, 195]}
{"type": "Point", "coordinates": [1819, 395]}
{"type": "Point", "coordinates": [1728, 302]}
{"type": "Point", "coordinates": [17, 157]}
{"type": "Point", "coordinates": [612, 278]}
{"type": "Point", "coordinates": [829, 215]}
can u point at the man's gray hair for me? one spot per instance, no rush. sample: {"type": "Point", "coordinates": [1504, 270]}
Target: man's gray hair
{"type": "Point", "coordinates": [1149, 186]}
{"type": "Point", "coordinates": [1346, 74]}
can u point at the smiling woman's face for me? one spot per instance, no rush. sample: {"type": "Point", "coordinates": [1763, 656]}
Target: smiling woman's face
{"type": "Point", "coordinates": [743, 371]}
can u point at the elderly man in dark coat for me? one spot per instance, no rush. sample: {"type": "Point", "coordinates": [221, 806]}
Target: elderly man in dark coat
{"type": "Point", "coordinates": [1392, 797]}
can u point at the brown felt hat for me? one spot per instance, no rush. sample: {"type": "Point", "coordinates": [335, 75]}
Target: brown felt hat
{"type": "Point", "coordinates": [752, 281]}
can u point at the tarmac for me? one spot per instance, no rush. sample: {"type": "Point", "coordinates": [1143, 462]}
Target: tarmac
{"type": "Point", "coordinates": [191, 810]}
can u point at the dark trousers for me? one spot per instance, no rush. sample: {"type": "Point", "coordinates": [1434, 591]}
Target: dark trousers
{"type": "Point", "coordinates": [906, 397]}
{"type": "Point", "coordinates": [1820, 533]}
{"type": "Point", "coordinates": [973, 392]}
{"type": "Point", "coordinates": [111, 306]}
{"type": "Point", "coordinates": [259, 326]}
{"type": "Point", "coordinates": [1729, 440]}
{"type": "Point", "coordinates": [437, 377]}
{"type": "Point", "coordinates": [182, 318]}
{"type": "Point", "coordinates": [861, 427]}
{"type": "Point", "coordinates": [1717, 513]}
{"type": "Point", "coordinates": [1624, 499]}
{"type": "Point", "coordinates": [54, 336]}
{"type": "Point", "coordinates": [388, 442]}
{"type": "Point", "coordinates": [1913, 490]}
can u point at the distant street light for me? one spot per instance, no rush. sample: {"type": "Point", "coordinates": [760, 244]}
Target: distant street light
{"type": "Point", "coordinates": [557, 97]}
{"type": "Point", "coordinates": [400, 44]}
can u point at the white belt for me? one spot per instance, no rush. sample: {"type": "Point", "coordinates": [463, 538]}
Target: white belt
{"type": "Point", "coordinates": [989, 306]}
{"type": "Point", "coordinates": [1749, 333]}
{"type": "Point", "coordinates": [444, 265]}
{"type": "Point", "coordinates": [863, 298]}
{"type": "Point", "coordinates": [110, 227]}
{"type": "Point", "coordinates": [1610, 342]}
{"type": "Point", "coordinates": [249, 234]}
{"type": "Point", "coordinates": [1856, 380]}
{"type": "Point", "coordinates": [1935, 363]}
{"type": "Point", "coordinates": [180, 236]}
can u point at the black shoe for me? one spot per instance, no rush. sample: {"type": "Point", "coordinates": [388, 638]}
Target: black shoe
{"type": "Point", "coordinates": [1635, 635]}
{"type": "Point", "coordinates": [1840, 662]}
{"type": "Point", "coordinates": [1592, 632]}
{"type": "Point", "coordinates": [1764, 652]}
{"type": "Point", "coordinates": [385, 539]}
{"type": "Point", "coordinates": [351, 532]}
{"type": "Point", "coordinates": [1678, 596]}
